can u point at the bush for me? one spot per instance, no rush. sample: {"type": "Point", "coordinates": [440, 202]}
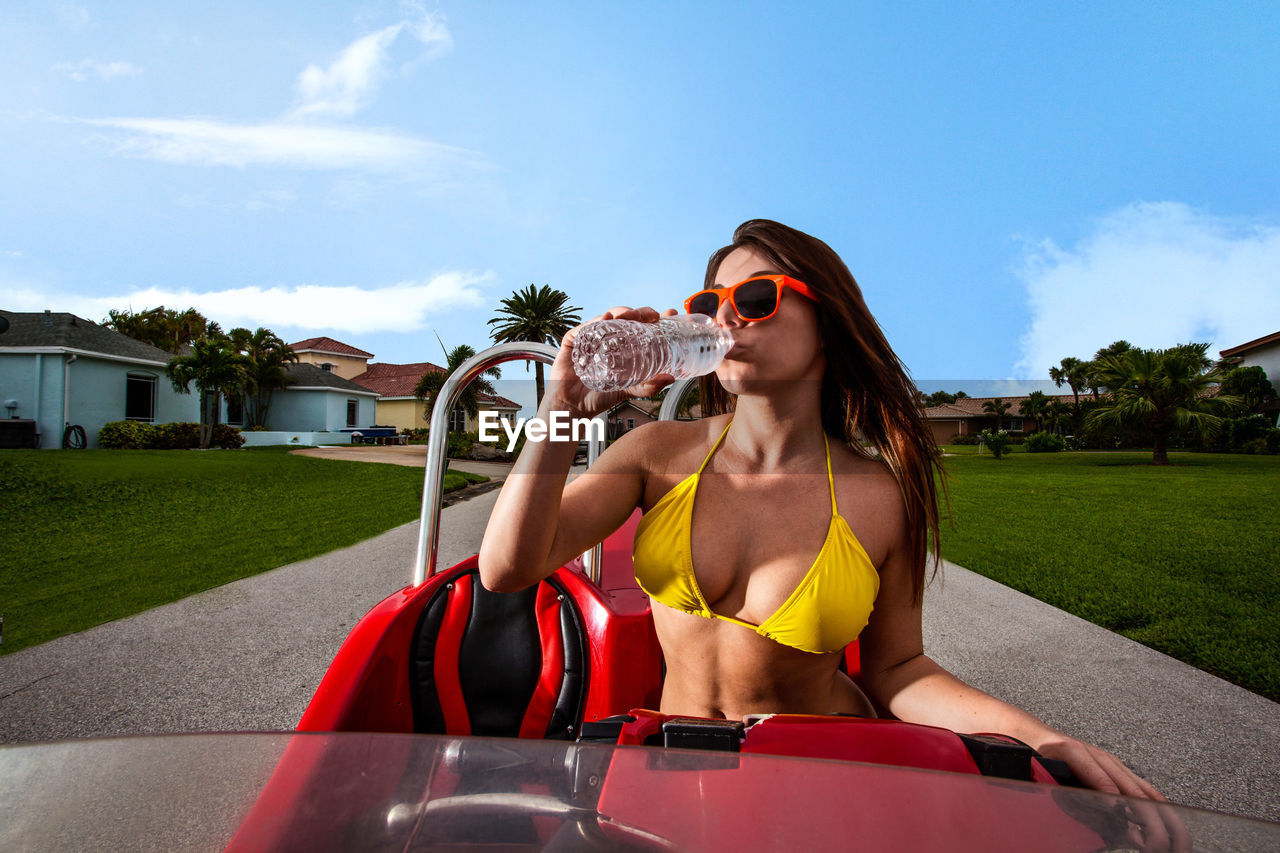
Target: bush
{"type": "Point", "coordinates": [997, 441]}
{"type": "Point", "coordinates": [136, 435]}
{"type": "Point", "coordinates": [460, 443]}
{"type": "Point", "coordinates": [1045, 442]}
{"type": "Point", "coordinates": [225, 437]}
{"type": "Point", "coordinates": [175, 436]}
{"type": "Point", "coordinates": [963, 439]}
{"type": "Point", "coordinates": [126, 435]}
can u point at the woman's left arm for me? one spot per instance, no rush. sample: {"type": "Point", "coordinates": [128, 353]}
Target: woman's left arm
{"type": "Point", "coordinates": [898, 675]}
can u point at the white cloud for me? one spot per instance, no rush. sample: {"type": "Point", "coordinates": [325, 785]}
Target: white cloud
{"type": "Point", "coordinates": [207, 142]}
{"type": "Point", "coordinates": [1154, 274]}
{"type": "Point", "coordinates": [351, 81]}
{"type": "Point", "coordinates": [407, 306]}
{"type": "Point", "coordinates": [105, 71]}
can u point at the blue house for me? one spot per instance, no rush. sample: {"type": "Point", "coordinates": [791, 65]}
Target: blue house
{"type": "Point", "coordinates": [59, 370]}
{"type": "Point", "coordinates": [319, 401]}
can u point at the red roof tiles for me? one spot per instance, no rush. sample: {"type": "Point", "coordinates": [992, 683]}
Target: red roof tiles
{"type": "Point", "coordinates": [329, 345]}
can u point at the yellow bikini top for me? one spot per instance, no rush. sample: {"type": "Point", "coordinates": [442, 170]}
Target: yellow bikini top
{"type": "Point", "coordinates": [826, 612]}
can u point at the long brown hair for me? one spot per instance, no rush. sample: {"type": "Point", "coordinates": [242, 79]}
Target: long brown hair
{"type": "Point", "coordinates": [866, 392]}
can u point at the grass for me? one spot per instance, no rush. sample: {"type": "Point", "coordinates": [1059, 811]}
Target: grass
{"type": "Point", "coordinates": [96, 535]}
{"type": "Point", "coordinates": [1184, 559]}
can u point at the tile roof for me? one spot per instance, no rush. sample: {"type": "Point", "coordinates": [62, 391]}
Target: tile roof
{"type": "Point", "coordinates": [971, 407]}
{"type": "Point", "coordinates": [310, 376]}
{"type": "Point", "coordinates": [329, 345]}
{"type": "Point", "coordinates": [399, 380]}
{"type": "Point", "coordinates": [394, 380]}
{"type": "Point", "coordinates": [51, 329]}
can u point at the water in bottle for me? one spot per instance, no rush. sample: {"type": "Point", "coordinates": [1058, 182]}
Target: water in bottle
{"type": "Point", "coordinates": [609, 355]}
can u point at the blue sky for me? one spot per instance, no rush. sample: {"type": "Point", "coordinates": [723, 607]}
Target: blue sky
{"type": "Point", "coordinates": [1011, 183]}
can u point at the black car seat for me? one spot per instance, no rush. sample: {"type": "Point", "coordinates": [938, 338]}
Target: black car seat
{"type": "Point", "coordinates": [498, 664]}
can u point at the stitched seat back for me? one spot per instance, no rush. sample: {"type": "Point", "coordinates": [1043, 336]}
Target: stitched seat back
{"type": "Point", "coordinates": [498, 664]}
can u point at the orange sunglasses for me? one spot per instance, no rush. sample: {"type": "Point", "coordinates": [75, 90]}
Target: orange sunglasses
{"type": "Point", "coordinates": [752, 300]}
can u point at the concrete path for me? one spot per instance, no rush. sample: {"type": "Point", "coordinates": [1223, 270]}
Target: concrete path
{"type": "Point", "coordinates": [248, 655]}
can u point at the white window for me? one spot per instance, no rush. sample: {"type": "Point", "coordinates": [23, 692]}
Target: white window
{"type": "Point", "coordinates": [140, 397]}
{"type": "Point", "coordinates": [631, 423]}
{"type": "Point", "coordinates": [458, 420]}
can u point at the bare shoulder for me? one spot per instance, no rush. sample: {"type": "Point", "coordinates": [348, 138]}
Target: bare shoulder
{"type": "Point", "coordinates": [869, 498]}
{"type": "Point", "coordinates": [662, 446]}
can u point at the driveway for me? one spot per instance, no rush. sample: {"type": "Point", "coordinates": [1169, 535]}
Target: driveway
{"type": "Point", "coordinates": [248, 655]}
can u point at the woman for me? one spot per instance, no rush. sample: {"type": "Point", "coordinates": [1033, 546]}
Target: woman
{"type": "Point", "coordinates": [775, 475]}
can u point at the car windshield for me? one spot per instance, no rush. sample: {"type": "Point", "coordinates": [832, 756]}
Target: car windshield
{"type": "Point", "coordinates": [407, 792]}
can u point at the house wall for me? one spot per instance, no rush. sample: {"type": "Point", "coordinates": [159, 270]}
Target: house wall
{"type": "Point", "coordinates": [403, 413]}
{"type": "Point", "coordinates": [618, 420]}
{"type": "Point", "coordinates": [1268, 358]}
{"type": "Point", "coordinates": [406, 413]}
{"type": "Point", "coordinates": [346, 366]}
{"type": "Point", "coordinates": [317, 410]}
{"type": "Point", "coordinates": [944, 430]}
{"type": "Point", "coordinates": [96, 393]}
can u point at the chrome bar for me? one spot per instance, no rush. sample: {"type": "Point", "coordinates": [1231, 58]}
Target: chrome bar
{"type": "Point", "coordinates": [676, 392]}
{"type": "Point", "coordinates": [424, 564]}
{"type": "Point", "coordinates": [592, 561]}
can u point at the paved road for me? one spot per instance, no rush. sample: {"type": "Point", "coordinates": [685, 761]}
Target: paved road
{"type": "Point", "coordinates": [247, 656]}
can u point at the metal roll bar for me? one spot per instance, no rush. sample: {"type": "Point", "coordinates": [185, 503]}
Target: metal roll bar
{"type": "Point", "coordinates": [676, 392]}
{"type": "Point", "coordinates": [424, 563]}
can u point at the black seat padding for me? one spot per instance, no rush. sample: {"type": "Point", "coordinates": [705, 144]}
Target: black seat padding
{"type": "Point", "coordinates": [499, 660]}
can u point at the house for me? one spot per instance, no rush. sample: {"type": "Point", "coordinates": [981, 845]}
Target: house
{"type": "Point", "coordinates": [319, 400]}
{"type": "Point", "coordinates": [398, 407]}
{"type": "Point", "coordinates": [966, 417]}
{"type": "Point", "coordinates": [332, 356]}
{"type": "Point", "coordinates": [638, 411]}
{"type": "Point", "coordinates": [58, 370]}
{"type": "Point", "coordinates": [1263, 352]}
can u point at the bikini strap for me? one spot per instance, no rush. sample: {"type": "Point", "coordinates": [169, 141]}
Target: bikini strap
{"type": "Point", "coordinates": [714, 446]}
{"type": "Point", "coordinates": [831, 481]}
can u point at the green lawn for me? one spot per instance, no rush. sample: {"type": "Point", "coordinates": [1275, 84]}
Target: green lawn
{"type": "Point", "coordinates": [91, 536]}
{"type": "Point", "coordinates": [1185, 559]}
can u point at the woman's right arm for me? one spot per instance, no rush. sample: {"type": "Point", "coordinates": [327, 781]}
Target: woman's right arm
{"type": "Point", "coordinates": [539, 523]}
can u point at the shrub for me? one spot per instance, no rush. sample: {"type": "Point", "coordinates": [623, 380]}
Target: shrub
{"type": "Point", "coordinates": [997, 441]}
{"type": "Point", "coordinates": [136, 435]}
{"type": "Point", "coordinates": [1044, 442]}
{"type": "Point", "coordinates": [126, 435]}
{"type": "Point", "coordinates": [963, 439]}
{"type": "Point", "coordinates": [176, 436]}
{"type": "Point", "coordinates": [460, 443]}
{"type": "Point", "coordinates": [225, 437]}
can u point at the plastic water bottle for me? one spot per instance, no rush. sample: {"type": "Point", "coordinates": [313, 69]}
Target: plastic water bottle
{"type": "Point", "coordinates": [609, 355]}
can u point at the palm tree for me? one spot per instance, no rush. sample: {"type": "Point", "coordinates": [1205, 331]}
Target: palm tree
{"type": "Point", "coordinates": [216, 369]}
{"type": "Point", "coordinates": [162, 327]}
{"type": "Point", "coordinates": [433, 380]}
{"type": "Point", "coordinates": [996, 408]}
{"type": "Point", "coordinates": [1057, 415]}
{"type": "Point", "coordinates": [535, 314]}
{"type": "Point", "coordinates": [266, 357]}
{"type": "Point", "coordinates": [1161, 390]}
{"type": "Point", "coordinates": [1073, 372]}
{"type": "Point", "coordinates": [1034, 407]}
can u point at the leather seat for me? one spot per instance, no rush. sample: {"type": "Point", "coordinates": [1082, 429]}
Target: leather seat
{"type": "Point", "coordinates": [498, 664]}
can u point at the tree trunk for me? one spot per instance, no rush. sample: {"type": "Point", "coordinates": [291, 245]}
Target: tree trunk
{"type": "Point", "coordinates": [1160, 456]}
{"type": "Point", "coordinates": [539, 384]}
{"type": "Point", "coordinates": [208, 409]}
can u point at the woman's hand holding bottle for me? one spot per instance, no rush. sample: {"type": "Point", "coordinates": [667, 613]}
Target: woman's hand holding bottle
{"type": "Point", "coordinates": [568, 393]}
